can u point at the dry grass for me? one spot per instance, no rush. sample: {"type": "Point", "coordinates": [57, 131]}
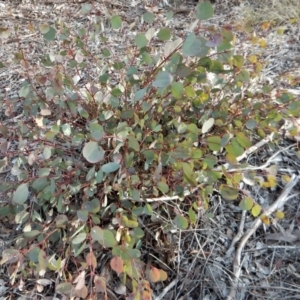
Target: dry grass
{"type": "Point", "coordinates": [279, 12]}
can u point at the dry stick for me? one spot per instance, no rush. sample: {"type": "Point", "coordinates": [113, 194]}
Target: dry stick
{"type": "Point", "coordinates": [167, 289]}
{"type": "Point", "coordinates": [281, 200]}
{"type": "Point", "coordinates": [238, 235]}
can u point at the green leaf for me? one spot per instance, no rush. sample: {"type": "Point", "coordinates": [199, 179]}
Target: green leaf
{"type": "Point", "coordinates": [251, 124]}
{"type": "Point", "coordinates": [110, 167]}
{"type": "Point", "coordinates": [82, 215]}
{"type": "Point", "coordinates": [162, 79]}
{"type": "Point", "coordinates": [148, 210]}
{"type": "Point", "coordinates": [192, 216]}
{"type": "Point", "coordinates": [129, 223]}
{"type": "Point", "coordinates": [92, 206]}
{"type": "Point", "coordinates": [40, 183]}
{"type": "Point", "coordinates": [243, 140]}
{"type": "Point", "coordinates": [50, 35]}
{"type": "Point", "coordinates": [204, 11]}
{"type": "Point", "coordinates": [116, 22]}
{"type": "Point", "coordinates": [246, 204]}
{"type": "Point", "coordinates": [127, 114]}
{"type": "Point", "coordinates": [238, 61]}
{"type": "Point", "coordinates": [64, 288]}
{"type": "Point", "coordinates": [149, 155]}
{"type": "Point", "coordinates": [140, 94]}
{"type": "Point", "coordinates": [141, 40]}
{"type": "Point", "coordinates": [133, 144]}
{"type": "Point", "coordinates": [195, 46]}
{"type": "Point", "coordinates": [210, 161]}
{"type": "Point", "coordinates": [79, 238]}
{"type": "Point", "coordinates": [193, 129]}
{"type": "Point", "coordinates": [104, 237]}
{"type": "Point", "coordinates": [189, 173]}
{"type": "Point", "coordinates": [92, 152]}
{"type": "Point", "coordinates": [117, 66]}
{"type": "Point", "coordinates": [164, 34]}
{"type": "Point", "coordinates": [177, 89]}
{"type": "Point", "coordinates": [181, 222]}
{"type": "Point", "coordinates": [234, 148]}
{"type": "Point", "coordinates": [163, 187]}
{"type": "Point", "coordinates": [228, 193]}
{"type": "Point", "coordinates": [146, 106]}
{"type": "Point", "coordinates": [214, 143]}
{"type": "Point", "coordinates": [256, 209]}
{"type": "Point", "coordinates": [138, 233]}
{"type": "Point", "coordinates": [33, 254]}
{"type": "Point", "coordinates": [148, 17]}
{"type": "Point", "coordinates": [243, 76]}
{"type": "Point", "coordinates": [50, 135]}
{"type": "Point", "coordinates": [96, 130]}
{"type": "Point", "coordinates": [225, 139]}
{"type": "Point", "coordinates": [21, 194]}
{"type": "Point", "coordinates": [31, 234]}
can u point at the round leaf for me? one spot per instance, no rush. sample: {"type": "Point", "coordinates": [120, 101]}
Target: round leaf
{"type": "Point", "coordinates": [92, 152]}
{"type": "Point", "coordinates": [116, 264]}
{"type": "Point", "coordinates": [164, 34]}
{"type": "Point", "coordinates": [154, 274]}
{"type": "Point", "coordinates": [148, 17]}
{"type": "Point", "coordinates": [204, 10]}
{"type": "Point", "coordinates": [246, 204]}
{"type": "Point", "coordinates": [256, 209]}
{"type": "Point", "coordinates": [104, 237]}
{"type": "Point", "coordinates": [116, 22]}
{"type": "Point", "coordinates": [214, 143]}
{"type": "Point", "coordinates": [181, 222]}
{"type": "Point", "coordinates": [228, 193]}
{"type": "Point", "coordinates": [50, 34]}
{"type": "Point", "coordinates": [279, 214]}
{"type": "Point", "coordinates": [21, 194]}
{"type": "Point", "coordinates": [141, 40]}
{"type": "Point", "coordinates": [163, 79]}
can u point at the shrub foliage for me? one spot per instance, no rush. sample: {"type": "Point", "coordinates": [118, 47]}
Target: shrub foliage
{"type": "Point", "coordinates": [104, 143]}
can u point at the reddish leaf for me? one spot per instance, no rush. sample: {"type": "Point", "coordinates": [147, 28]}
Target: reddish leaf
{"type": "Point", "coordinates": [91, 260]}
{"type": "Point", "coordinates": [116, 264]}
{"type": "Point", "coordinates": [154, 274]}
